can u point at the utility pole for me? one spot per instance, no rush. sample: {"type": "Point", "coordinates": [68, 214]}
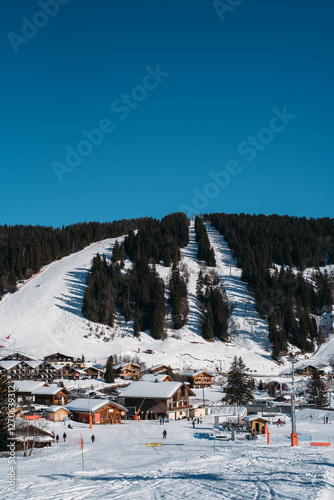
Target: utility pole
{"type": "Point", "coordinates": [294, 435]}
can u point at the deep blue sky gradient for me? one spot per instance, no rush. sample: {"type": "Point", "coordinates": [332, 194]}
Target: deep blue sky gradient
{"type": "Point", "coordinates": [225, 77]}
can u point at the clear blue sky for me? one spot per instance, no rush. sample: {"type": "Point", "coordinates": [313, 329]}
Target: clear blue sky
{"type": "Point", "coordinates": [225, 77]}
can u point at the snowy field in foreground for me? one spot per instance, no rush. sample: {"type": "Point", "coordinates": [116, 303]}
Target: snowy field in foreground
{"type": "Point", "coordinates": [120, 466]}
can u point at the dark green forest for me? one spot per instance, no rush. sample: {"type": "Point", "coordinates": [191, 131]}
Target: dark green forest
{"type": "Point", "coordinates": [25, 249]}
{"type": "Point", "coordinates": [284, 297]}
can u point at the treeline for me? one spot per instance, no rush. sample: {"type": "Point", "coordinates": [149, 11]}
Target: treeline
{"type": "Point", "coordinates": [25, 249]}
{"type": "Point", "coordinates": [158, 241]}
{"type": "Point", "coordinates": [139, 293]}
{"type": "Point", "coordinates": [215, 303]}
{"type": "Point", "coordinates": [205, 251]}
{"type": "Point", "coordinates": [284, 297]}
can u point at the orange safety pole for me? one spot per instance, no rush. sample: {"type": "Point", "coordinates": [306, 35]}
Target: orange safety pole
{"type": "Point", "coordinates": [294, 439]}
{"type": "Point", "coordinates": [90, 422]}
{"type": "Point", "coordinates": [268, 438]}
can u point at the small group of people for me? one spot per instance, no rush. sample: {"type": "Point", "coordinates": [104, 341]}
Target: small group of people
{"type": "Point", "coordinates": [198, 420]}
{"type": "Point", "coordinates": [251, 436]}
{"type": "Point", "coordinates": [163, 420]}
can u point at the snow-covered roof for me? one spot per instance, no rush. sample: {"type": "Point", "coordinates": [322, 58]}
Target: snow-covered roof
{"type": "Point", "coordinates": [163, 390]}
{"type": "Point", "coordinates": [54, 408]}
{"type": "Point", "coordinates": [28, 385]}
{"type": "Point", "coordinates": [194, 374]}
{"type": "Point", "coordinates": [151, 377]}
{"type": "Point", "coordinates": [51, 390]}
{"type": "Point", "coordinates": [86, 405]}
{"type": "Point", "coordinates": [7, 365]}
{"type": "Point", "coordinates": [117, 367]}
{"type": "Point", "coordinates": [250, 418]}
{"type": "Point", "coordinates": [158, 366]}
{"type": "Point", "coordinates": [33, 364]}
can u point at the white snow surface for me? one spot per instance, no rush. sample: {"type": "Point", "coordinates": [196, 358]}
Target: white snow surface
{"type": "Point", "coordinates": [44, 316]}
{"type": "Point", "coordinates": [120, 466]}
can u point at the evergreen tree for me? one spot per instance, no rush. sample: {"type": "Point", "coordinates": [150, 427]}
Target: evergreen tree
{"type": "Point", "coordinates": [109, 375]}
{"type": "Point", "coordinates": [4, 434]}
{"type": "Point", "coordinates": [238, 389]}
{"type": "Point", "coordinates": [207, 325]}
{"type": "Point", "coordinates": [316, 393]}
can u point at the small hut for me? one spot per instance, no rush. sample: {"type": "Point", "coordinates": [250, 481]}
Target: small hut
{"type": "Point", "coordinates": [256, 424]}
{"type": "Point", "coordinates": [57, 413]}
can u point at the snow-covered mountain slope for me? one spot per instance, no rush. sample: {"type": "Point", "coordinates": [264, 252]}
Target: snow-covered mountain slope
{"type": "Point", "coordinates": [45, 316]}
{"type": "Point", "coordinates": [251, 331]}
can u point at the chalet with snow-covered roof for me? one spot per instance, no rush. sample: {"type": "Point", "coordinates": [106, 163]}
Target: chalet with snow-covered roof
{"type": "Point", "coordinates": [51, 395]}
{"type": "Point", "coordinates": [101, 411]}
{"type": "Point", "coordinates": [199, 379]}
{"type": "Point", "coordinates": [60, 359]}
{"type": "Point", "coordinates": [94, 372]}
{"type": "Point", "coordinates": [57, 413]}
{"type": "Point", "coordinates": [308, 370]}
{"type": "Point", "coordinates": [69, 372]}
{"type": "Point", "coordinates": [154, 400]}
{"type": "Point", "coordinates": [151, 377]}
{"type": "Point", "coordinates": [24, 388]}
{"type": "Point", "coordinates": [28, 370]}
{"type": "Point", "coordinates": [158, 369]}
{"type": "Point", "coordinates": [17, 356]}
{"type": "Point", "coordinates": [127, 371]}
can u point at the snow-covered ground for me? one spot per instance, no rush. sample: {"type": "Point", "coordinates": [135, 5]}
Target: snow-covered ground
{"type": "Point", "coordinates": [120, 466]}
{"type": "Point", "coordinates": [44, 316]}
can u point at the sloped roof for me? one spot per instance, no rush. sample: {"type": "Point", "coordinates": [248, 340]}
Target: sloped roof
{"type": "Point", "coordinates": [7, 365]}
{"type": "Point", "coordinates": [118, 367]}
{"type": "Point", "coordinates": [51, 390]}
{"type": "Point", "coordinates": [250, 418]}
{"type": "Point", "coordinates": [163, 390]}
{"type": "Point", "coordinates": [193, 374]}
{"type": "Point", "coordinates": [151, 377]}
{"type": "Point", "coordinates": [54, 408]}
{"type": "Point", "coordinates": [86, 405]}
{"type": "Point", "coordinates": [28, 385]}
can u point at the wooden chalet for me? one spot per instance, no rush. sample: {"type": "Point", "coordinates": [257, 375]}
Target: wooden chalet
{"type": "Point", "coordinates": [51, 395]}
{"type": "Point", "coordinates": [199, 379]}
{"type": "Point", "coordinates": [158, 399]}
{"type": "Point", "coordinates": [24, 388]}
{"type": "Point", "coordinates": [17, 356]}
{"type": "Point", "coordinates": [28, 370]}
{"type": "Point", "coordinates": [60, 359]}
{"type": "Point", "coordinates": [308, 370]}
{"type": "Point", "coordinates": [94, 372]}
{"type": "Point", "coordinates": [127, 371]}
{"type": "Point", "coordinates": [69, 372]}
{"type": "Point", "coordinates": [57, 413]}
{"type": "Point", "coordinates": [101, 411]}
{"type": "Point", "coordinates": [159, 369]}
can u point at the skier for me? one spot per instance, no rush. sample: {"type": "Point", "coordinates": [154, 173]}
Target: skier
{"type": "Point", "coordinates": [93, 438]}
{"type": "Point", "coordinates": [193, 424]}
{"type": "Point", "coordinates": [64, 436]}
{"type": "Point", "coordinates": [57, 438]}
{"type": "Point", "coordinates": [164, 434]}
